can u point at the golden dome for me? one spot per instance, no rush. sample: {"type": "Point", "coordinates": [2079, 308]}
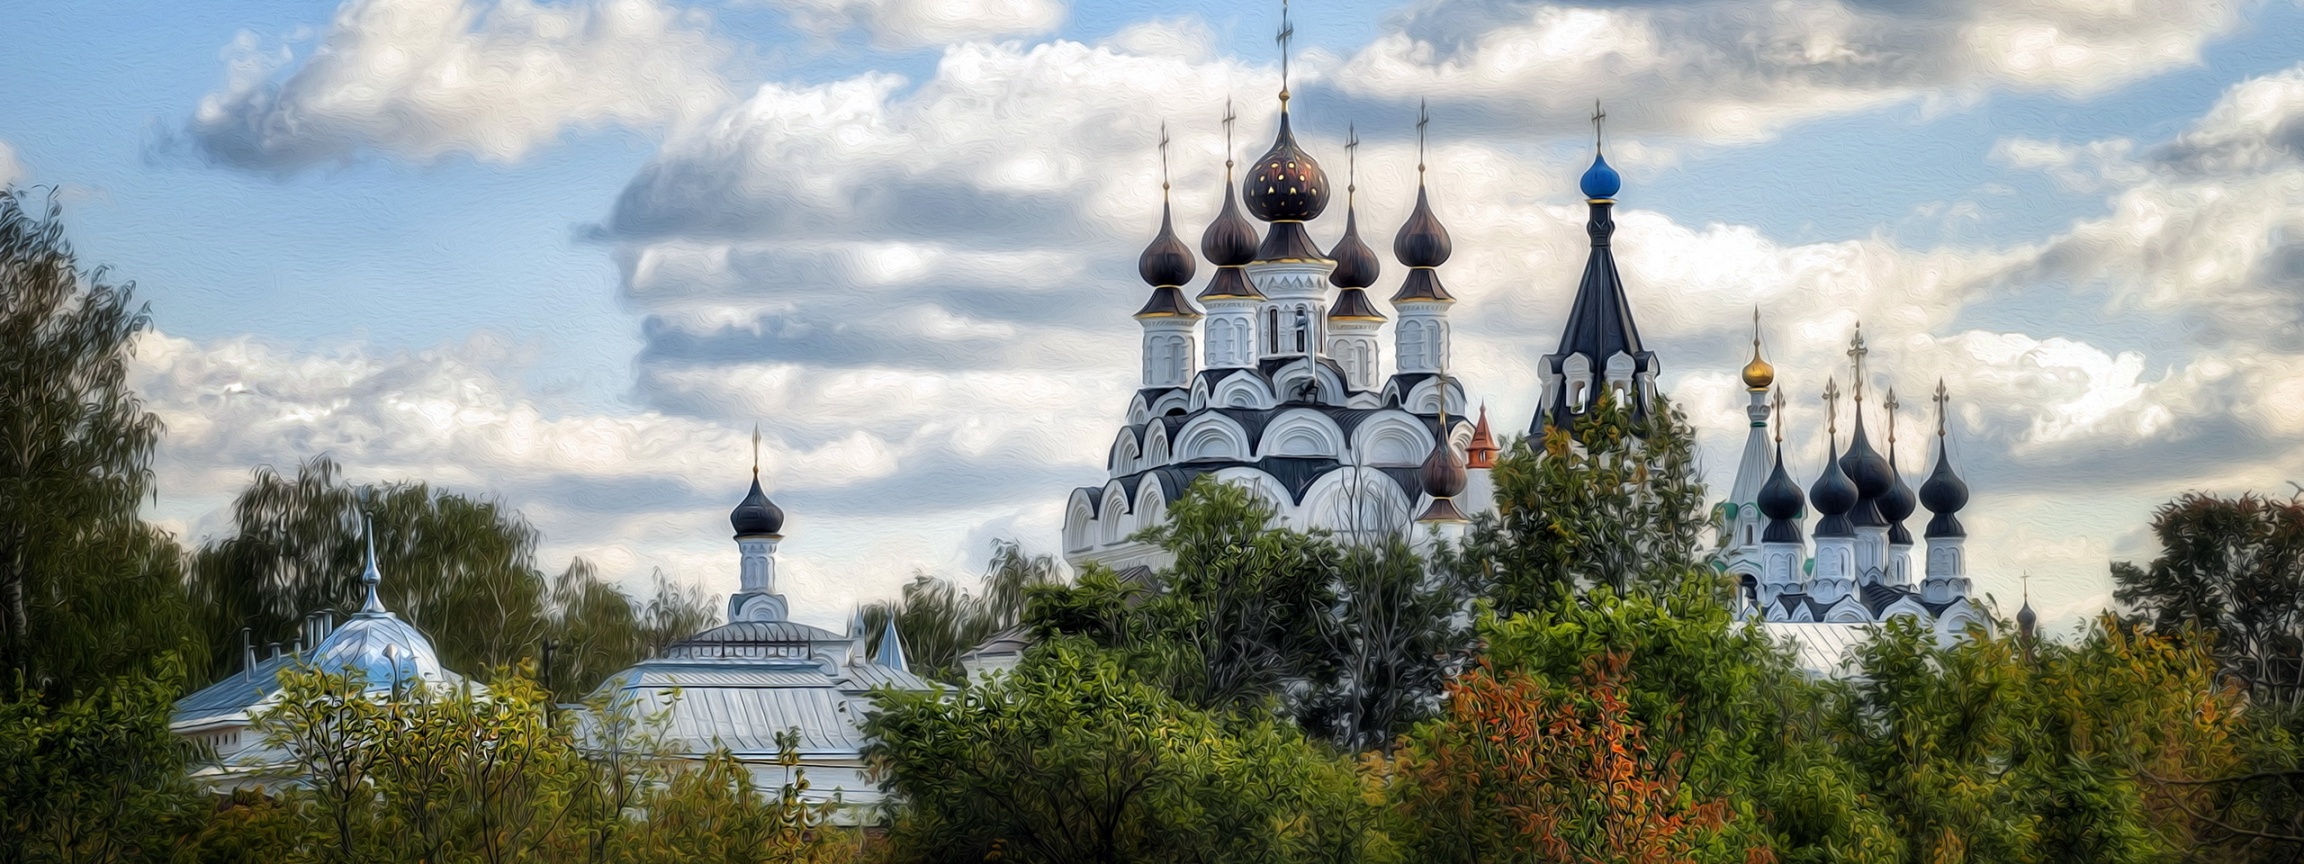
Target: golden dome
{"type": "Point", "coordinates": [1758, 374]}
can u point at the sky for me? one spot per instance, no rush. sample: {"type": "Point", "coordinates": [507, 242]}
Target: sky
{"type": "Point", "coordinates": [569, 253]}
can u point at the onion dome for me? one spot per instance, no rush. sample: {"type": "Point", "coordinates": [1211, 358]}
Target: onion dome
{"type": "Point", "coordinates": [1230, 241]}
{"type": "Point", "coordinates": [1898, 502]}
{"type": "Point", "coordinates": [1483, 448]}
{"type": "Point", "coordinates": [1944, 494]}
{"type": "Point", "coordinates": [1443, 478]}
{"type": "Point", "coordinates": [1167, 301]}
{"type": "Point", "coordinates": [1422, 241]}
{"type": "Point", "coordinates": [1834, 495]}
{"type": "Point", "coordinates": [1601, 181]}
{"type": "Point", "coordinates": [1758, 375]}
{"type": "Point", "coordinates": [2027, 620]}
{"type": "Point", "coordinates": [386, 652]}
{"type": "Point", "coordinates": [756, 515]}
{"type": "Point", "coordinates": [1167, 262]}
{"type": "Point", "coordinates": [1871, 474]}
{"type": "Point", "coordinates": [1356, 264]}
{"type": "Point", "coordinates": [1286, 185]}
{"type": "Point", "coordinates": [1781, 502]}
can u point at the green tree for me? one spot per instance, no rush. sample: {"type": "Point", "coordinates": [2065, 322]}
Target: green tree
{"type": "Point", "coordinates": [1614, 501]}
{"type": "Point", "coordinates": [1071, 760]}
{"type": "Point", "coordinates": [1395, 637]}
{"type": "Point", "coordinates": [463, 569]}
{"type": "Point", "coordinates": [87, 591]}
{"type": "Point", "coordinates": [2234, 567]}
{"type": "Point", "coordinates": [938, 622]}
{"type": "Point", "coordinates": [95, 778]}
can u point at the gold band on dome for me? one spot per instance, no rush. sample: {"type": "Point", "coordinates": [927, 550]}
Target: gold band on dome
{"type": "Point", "coordinates": [1599, 200]}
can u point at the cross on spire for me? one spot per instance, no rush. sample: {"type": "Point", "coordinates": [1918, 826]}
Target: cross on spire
{"type": "Point", "coordinates": [755, 450]}
{"type": "Point", "coordinates": [1831, 407]}
{"type": "Point", "coordinates": [1599, 116]}
{"type": "Point", "coordinates": [1941, 398]}
{"type": "Point", "coordinates": [1891, 405]}
{"type": "Point", "coordinates": [1352, 162]}
{"type": "Point", "coordinates": [1287, 32]}
{"type": "Point", "coordinates": [1163, 160]}
{"type": "Point", "coordinates": [1423, 119]}
{"type": "Point", "coordinates": [1777, 416]}
{"type": "Point", "coordinates": [1856, 352]}
{"type": "Point", "coordinates": [1228, 118]}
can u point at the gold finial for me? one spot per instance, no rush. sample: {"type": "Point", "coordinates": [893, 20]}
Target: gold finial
{"type": "Point", "coordinates": [1757, 374]}
{"type": "Point", "coordinates": [755, 450]}
{"type": "Point", "coordinates": [1777, 416]}
{"type": "Point", "coordinates": [1287, 32]}
{"type": "Point", "coordinates": [1832, 407]}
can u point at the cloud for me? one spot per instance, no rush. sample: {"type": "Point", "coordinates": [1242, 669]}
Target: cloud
{"type": "Point", "coordinates": [910, 23]}
{"type": "Point", "coordinates": [489, 79]}
{"type": "Point", "coordinates": [1741, 70]}
{"type": "Point", "coordinates": [11, 170]}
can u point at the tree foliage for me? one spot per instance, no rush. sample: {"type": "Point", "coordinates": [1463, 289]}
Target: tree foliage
{"type": "Point", "coordinates": [2235, 568]}
{"type": "Point", "coordinates": [1611, 501]}
{"type": "Point", "coordinates": [87, 591]}
{"type": "Point", "coordinates": [1071, 760]}
{"type": "Point", "coordinates": [462, 569]}
{"type": "Point", "coordinates": [938, 622]}
{"type": "Point", "coordinates": [97, 778]}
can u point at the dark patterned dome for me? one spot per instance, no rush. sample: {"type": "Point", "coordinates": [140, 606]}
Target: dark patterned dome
{"type": "Point", "coordinates": [1356, 264]}
{"type": "Point", "coordinates": [1167, 261]}
{"type": "Point", "coordinates": [757, 514]}
{"type": "Point", "coordinates": [1442, 472]}
{"type": "Point", "coordinates": [1285, 184]}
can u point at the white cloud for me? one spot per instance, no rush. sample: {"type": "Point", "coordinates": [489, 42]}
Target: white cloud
{"type": "Point", "coordinates": [490, 79]}
{"type": "Point", "coordinates": [905, 23]}
{"type": "Point", "coordinates": [11, 170]}
{"type": "Point", "coordinates": [1741, 70]}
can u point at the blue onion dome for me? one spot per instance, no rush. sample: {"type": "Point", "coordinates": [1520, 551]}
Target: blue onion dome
{"type": "Point", "coordinates": [1285, 184]}
{"type": "Point", "coordinates": [1780, 500]}
{"type": "Point", "coordinates": [1167, 262]}
{"type": "Point", "coordinates": [1356, 264]}
{"type": "Point", "coordinates": [1944, 494]}
{"type": "Point", "coordinates": [756, 515]}
{"type": "Point", "coordinates": [1601, 181]}
{"type": "Point", "coordinates": [1230, 241]}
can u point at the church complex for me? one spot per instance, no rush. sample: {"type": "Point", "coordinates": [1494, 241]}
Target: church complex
{"type": "Point", "coordinates": [1272, 375]}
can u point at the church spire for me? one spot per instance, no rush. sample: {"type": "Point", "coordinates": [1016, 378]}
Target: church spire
{"type": "Point", "coordinates": [370, 576]}
{"type": "Point", "coordinates": [1286, 186]}
{"type": "Point", "coordinates": [1166, 263]}
{"type": "Point", "coordinates": [1423, 245]}
{"type": "Point", "coordinates": [1600, 348]}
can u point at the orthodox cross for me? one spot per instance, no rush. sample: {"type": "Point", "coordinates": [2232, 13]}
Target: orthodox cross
{"type": "Point", "coordinates": [1352, 162]}
{"type": "Point", "coordinates": [1856, 352]}
{"type": "Point", "coordinates": [1831, 408]}
{"type": "Point", "coordinates": [1941, 398]}
{"type": "Point", "coordinates": [1778, 415]}
{"type": "Point", "coordinates": [1599, 116]}
{"type": "Point", "coordinates": [1423, 119]}
{"type": "Point", "coordinates": [1287, 32]}
{"type": "Point", "coordinates": [1163, 160]}
{"type": "Point", "coordinates": [755, 450]}
{"type": "Point", "coordinates": [1891, 406]}
{"type": "Point", "coordinates": [1228, 118]}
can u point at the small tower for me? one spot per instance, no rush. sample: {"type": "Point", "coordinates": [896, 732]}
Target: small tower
{"type": "Point", "coordinates": [1781, 549]}
{"type": "Point", "coordinates": [1944, 494]}
{"type": "Point", "coordinates": [759, 526]}
{"type": "Point", "coordinates": [1287, 188]}
{"type": "Point", "coordinates": [1422, 246]}
{"type": "Point", "coordinates": [1601, 346]}
{"type": "Point", "coordinates": [1353, 320]}
{"type": "Point", "coordinates": [1479, 460]}
{"type": "Point", "coordinates": [1230, 243]}
{"type": "Point", "coordinates": [1744, 523]}
{"type": "Point", "coordinates": [1167, 318]}
{"type": "Point", "coordinates": [1834, 494]}
{"type": "Point", "coordinates": [1873, 477]}
{"type": "Point", "coordinates": [2027, 621]}
{"type": "Point", "coordinates": [1895, 507]}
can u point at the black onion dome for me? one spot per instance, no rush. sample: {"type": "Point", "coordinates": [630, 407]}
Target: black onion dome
{"type": "Point", "coordinates": [1897, 504]}
{"type": "Point", "coordinates": [2026, 618]}
{"type": "Point", "coordinates": [1422, 241]}
{"type": "Point", "coordinates": [1442, 473]}
{"type": "Point", "coordinates": [1781, 501]}
{"type": "Point", "coordinates": [1167, 301]}
{"type": "Point", "coordinates": [1353, 303]}
{"type": "Point", "coordinates": [1356, 264]}
{"type": "Point", "coordinates": [1834, 495]}
{"type": "Point", "coordinates": [1944, 494]}
{"type": "Point", "coordinates": [756, 514]}
{"type": "Point", "coordinates": [1230, 241]}
{"type": "Point", "coordinates": [1167, 261]}
{"type": "Point", "coordinates": [1285, 184]}
{"type": "Point", "coordinates": [1865, 466]}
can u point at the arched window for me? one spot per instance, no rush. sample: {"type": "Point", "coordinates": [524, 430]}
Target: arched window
{"type": "Point", "coordinates": [1303, 330]}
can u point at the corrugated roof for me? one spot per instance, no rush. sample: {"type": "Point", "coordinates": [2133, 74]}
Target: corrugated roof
{"type": "Point", "coordinates": [1823, 650]}
{"type": "Point", "coordinates": [743, 706]}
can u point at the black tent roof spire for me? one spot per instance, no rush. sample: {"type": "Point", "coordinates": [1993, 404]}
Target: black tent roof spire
{"type": "Point", "coordinates": [1600, 322]}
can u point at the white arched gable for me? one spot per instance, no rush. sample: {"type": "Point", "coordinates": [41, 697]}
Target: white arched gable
{"type": "Point", "coordinates": [1079, 523]}
{"type": "Point", "coordinates": [1211, 436]}
{"type": "Point", "coordinates": [1357, 502]}
{"type": "Point", "coordinates": [1905, 608]}
{"type": "Point", "coordinates": [1114, 520]}
{"type": "Point", "coordinates": [1328, 387]}
{"type": "Point", "coordinates": [1241, 390]}
{"type": "Point", "coordinates": [1302, 432]}
{"type": "Point", "coordinates": [1391, 438]}
{"type": "Point", "coordinates": [1265, 487]}
{"type": "Point", "coordinates": [1848, 611]}
{"type": "Point", "coordinates": [1151, 507]}
{"type": "Point", "coordinates": [1156, 445]}
{"type": "Point", "coordinates": [1424, 398]}
{"type": "Point", "coordinates": [1169, 402]}
{"type": "Point", "coordinates": [1125, 455]}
